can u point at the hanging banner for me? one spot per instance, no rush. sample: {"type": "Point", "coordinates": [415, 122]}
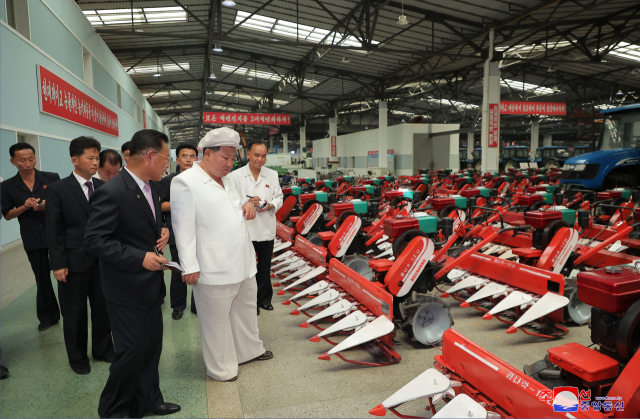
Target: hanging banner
{"type": "Point", "coordinates": [144, 119]}
{"type": "Point", "coordinates": [494, 124]}
{"type": "Point", "coordinates": [61, 99]}
{"type": "Point", "coordinates": [334, 147]}
{"type": "Point", "coordinates": [532, 108]}
{"type": "Point", "coordinates": [246, 118]}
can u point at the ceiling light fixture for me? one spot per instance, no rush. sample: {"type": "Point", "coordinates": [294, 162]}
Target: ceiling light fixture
{"type": "Point", "coordinates": [228, 3]}
{"type": "Point", "coordinates": [212, 76]}
{"type": "Point", "coordinates": [345, 59]}
{"type": "Point", "coordinates": [620, 92]}
{"type": "Point", "coordinates": [277, 106]}
{"type": "Point", "coordinates": [217, 48]}
{"type": "Point", "coordinates": [139, 30]}
{"type": "Point", "coordinates": [248, 74]}
{"type": "Point", "coordinates": [402, 20]}
{"type": "Point", "coordinates": [157, 75]}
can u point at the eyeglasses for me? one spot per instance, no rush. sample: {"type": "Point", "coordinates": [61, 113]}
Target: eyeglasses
{"type": "Point", "coordinates": [167, 158]}
{"type": "Point", "coordinates": [188, 157]}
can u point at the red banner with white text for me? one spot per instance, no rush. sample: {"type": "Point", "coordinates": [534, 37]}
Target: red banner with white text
{"type": "Point", "coordinates": [246, 118]}
{"type": "Point", "coordinates": [533, 108]}
{"type": "Point", "coordinates": [61, 99]}
{"type": "Point", "coordinates": [494, 124]}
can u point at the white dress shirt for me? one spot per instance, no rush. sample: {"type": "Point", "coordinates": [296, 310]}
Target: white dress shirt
{"type": "Point", "coordinates": [267, 187]}
{"type": "Point", "coordinates": [82, 182]}
{"type": "Point", "coordinates": [210, 231]}
{"type": "Point", "coordinates": [137, 179]}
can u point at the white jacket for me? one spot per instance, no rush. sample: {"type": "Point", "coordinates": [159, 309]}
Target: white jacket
{"type": "Point", "coordinates": [267, 187]}
{"type": "Point", "coordinates": [210, 230]}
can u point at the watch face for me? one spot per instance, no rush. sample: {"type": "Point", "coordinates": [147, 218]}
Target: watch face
{"type": "Point", "coordinates": [264, 205]}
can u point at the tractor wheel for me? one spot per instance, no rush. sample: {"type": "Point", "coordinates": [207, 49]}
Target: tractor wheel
{"type": "Point", "coordinates": [315, 239]}
{"type": "Point", "coordinates": [308, 204]}
{"type": "Point", "coordinates": [478, 166]}
{"type": "Point", "coordinates": [468, 166]}
{"type": "Point", "coordinates": [359, 195]}
{"type": "Point", "coordinates": [551, 163]}
{"type": "Point", "coordinates": [510, 164]}
{"type": "Point", "coordinates": [536, 206]}
{"type": "Point", "coordinates": [551, 230]}
{"type": "Point", "coordinates": [343, 217]}
{"type": "Point", "coordinates": [444, 212]}
{"type": "Point", "coordinates": [401, 242]}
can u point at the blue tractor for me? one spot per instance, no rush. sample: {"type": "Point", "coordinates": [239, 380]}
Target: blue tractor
{"type": "Point", "coordinates": [551, 156]}
{"type": "Point", "coordinates": [617, 162]}
{"type": "Point", "coordinates": [512, 156]}
{"type": "Point", "coordinates": [579, 150]}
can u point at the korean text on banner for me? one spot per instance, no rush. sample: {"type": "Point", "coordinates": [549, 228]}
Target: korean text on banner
{"type": "Point", "coordinates": [334, 147]}
{"type": "Point", "coordinates": [494, 124]}
{"type": "Point", "coordinates": [246, 118]}
{"type": "Point", "coordinates": [61, 99]}
{"type": "Point", "coordinates": [532, 108]}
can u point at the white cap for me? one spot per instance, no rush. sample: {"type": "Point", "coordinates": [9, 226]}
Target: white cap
{"type": "Point", "coordinates": [220, 137]}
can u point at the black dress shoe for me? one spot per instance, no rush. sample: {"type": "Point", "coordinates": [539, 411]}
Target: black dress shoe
{"type": "Point", "coordinates": [81, 369]}
{"type": "Point", "coordinates": [194, 310]}
{"type": "Point", "coordinates": [5, 372]}
{"type": "Point", "coordinates": [166, 409]}
{"type": "Point", "coordinates": [108, 359]}
{"type": "Point", "coordinates": [44, 326]}
{"type": "Point", "coordinates": [258, 311]}
{"type": "Point", "coordinates": [266, 307]}
{"type": "Point", "coordinates": [177, 314]}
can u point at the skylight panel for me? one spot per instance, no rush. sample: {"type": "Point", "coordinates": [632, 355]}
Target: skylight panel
{"type": "Point", "coordinates": [139, 15]}
{"type": "Point", "coordinates": [457, 104]}
{"type": "Point", "coordinates": [167, 93]}
{"type": "Point", "coordinates": [161, 67]}
{"type": "Point", "coordinates": [627, 51]}
{"type": "Point", "coordinates": [292, 30]}
{"type": "Point", "coordinates": [527, 87]}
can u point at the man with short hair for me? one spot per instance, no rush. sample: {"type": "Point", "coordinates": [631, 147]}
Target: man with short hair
{"type": "Point", "coordinates": [24, 197]}
{"type": "Point", "coordinates": [110, 165]}
{"type": "Point", "coordinates": [78, 272]}
{"type": "Point", "coordinates": [125, 232]}
{"type": "Point", "coordinates": [216, 254]}
{"type": "Point", "coordinates": [186, 154]}
{"type": "Point", "coordinates": [261, 183]}
{"type": "Point", "coordinates": [126, 151]}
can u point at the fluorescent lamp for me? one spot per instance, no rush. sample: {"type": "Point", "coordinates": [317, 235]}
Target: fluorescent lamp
{"type": "Point", "coordinates": [217, 48]}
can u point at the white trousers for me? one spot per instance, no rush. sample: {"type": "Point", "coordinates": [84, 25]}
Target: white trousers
{"type": "Point", "coordinates": [228, 321]}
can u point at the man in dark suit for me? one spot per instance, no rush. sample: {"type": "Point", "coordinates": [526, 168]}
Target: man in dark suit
{"type": "Point", "coordinates": [186, 155]}
{"type": "Point", "coordinates": [77, 271]}
{"type": "Point", "coordinates": [24, 196]}
{"type": "Point", "coordinates": [125, 232]}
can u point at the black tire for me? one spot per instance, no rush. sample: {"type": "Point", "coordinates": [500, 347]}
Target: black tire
{"type": "Point", "coordinates": [536, 206]}
{"type": "Point", "coordinates": [359, 195]}
{"type": "Point", "coordinates": [308, 204]}
{"type": "Point", "coordinates": [401, 242]}
{"type": "Point", "coordinates": [551, 230]}
{"type": "Point", "coordinates": [509, 164]}
{"type": "Point", "coordinates": [343, 217]}
{"type": "Point", "coordinates": [551, 163]}
{"type": "Point", "coordinates": [446, 210]}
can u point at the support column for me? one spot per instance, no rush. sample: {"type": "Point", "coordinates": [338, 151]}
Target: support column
{"type": "Point", "coordinates": [303, 140]}
{"type": "Point", "coordinates": [454, 152]}
{"type": "Point", "coordinates": [285, 144]}
{"type": "Point", "coordinates": [535, 137]}
{"type": "Point", "coordinates": [382, 134]}
{"type": "Point", "coordinates": [271, 144]}
{"type": "Point", "coordinates": [491, 95]}
{"type": "Point", "coordinates": [548, 139]}
{"type": "Point", "coordinates": [470, 142]}
{"type": "Point", "coordinates": [333, 134]}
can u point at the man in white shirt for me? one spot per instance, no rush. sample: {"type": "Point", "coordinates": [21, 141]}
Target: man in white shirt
{"type": "Point", "coordinates": [262, 185]}
{"type": "Point", "coordinates": [213, 241]}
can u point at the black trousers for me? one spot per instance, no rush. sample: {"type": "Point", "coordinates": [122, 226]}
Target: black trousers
{"type": "Point", "coordinates": [46, 303]}
{"type": "Point", "coordinates": [178, 290]}
{"type": "Point", "coordinates": [73, 296]}
{"type": "Point", "coordinates": [133, 386]}
{"type": "Point", "coordinates": [264, 250]}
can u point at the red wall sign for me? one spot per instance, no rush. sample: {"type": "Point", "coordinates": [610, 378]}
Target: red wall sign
{"type": "Point", "coordinates": [61, 99]}
{"type": "Point", "coordinates": [375, 152]}
{"type": "Point", "coordinates": [144, 119]}
{"type": "Point", "coordinates": [533, 108]}
{"type": "Point", "coordinates": [494, 124]}
{"type": "Point", "coordinates": [334, 147]}
{"type": "Point", "coordinates": [246, 118]}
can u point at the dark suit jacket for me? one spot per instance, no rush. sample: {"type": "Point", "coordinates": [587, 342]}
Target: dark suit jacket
{"type": "Point", "coordinates": [32, 223]}
{"type": "Point", "coordinates": [67, 214]}
{"type": "Point", "coordinates": [164, 189]}
{"type": "Point", "coordinates": [120, 231]}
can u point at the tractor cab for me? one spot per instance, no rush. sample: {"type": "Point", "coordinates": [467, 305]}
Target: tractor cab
{"type": "Point", "coordinates": [477, 159]}
{"type": "Point", "coordinates": [579, 150]}
{"type": "Point", "coordinates": [512, 156]}
{"type": "Point", "coordinates": [551, 156]}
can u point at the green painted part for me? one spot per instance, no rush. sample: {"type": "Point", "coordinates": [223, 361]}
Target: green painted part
{"type": "Point", "coordinates": [370, 189]}
{"type": "Point", "coordinates": [361, 207]}
{"type": "Point", "coordinates": [550, 188]}
{"type": "Point", "coordinates": [569, 216]}
{"type": "Point", "coordinates": [626, 194]}
{"type": "Point", "coordinates": [296, 190]}
{"type": "Point", "coordinates": [525, 175]}
{"type": "Point", "coordinates": [543, 177]}
{"type": "Point", "coordinates": [376, 182]}
{"type": "Point", "coordinates": [547, 198]}
{"type": "Point", "coordinates": [486, 192]}
{"type": "Point", "coordinates": [461, 201]}
{"type": "Point", "coordinates": [347, 178]}
{"type": "Point", "coordinates": [307, 179]}
{"type": "Point", "coordinates": [322, 196]}
{"type": "Point", "coordinates": [427, 223]}
{"type": "Point", "coordinates": [328, 183]}
{"type": "Point", "coordinates": [407, 194]}
{"type": "Point", "coordinates": [387, 178]}
{"type": "Point", "coordinates": [426, 180]}
{"type": "Point", "coordinates": [468, 179]}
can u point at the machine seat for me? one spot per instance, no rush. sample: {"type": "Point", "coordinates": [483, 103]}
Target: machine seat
{"type": "Point", "coordinates": [381, 265]}
{"type": "Point", "coordinates": [527, 252]}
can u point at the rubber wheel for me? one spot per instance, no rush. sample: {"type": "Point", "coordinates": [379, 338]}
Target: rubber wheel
{"type": "Point", "coordinates": [343, 217]}
{"type": "Point", "coordinates": [628, 337]}
{"type": "Point", "coordinates": [551, 163]}
{"type": "Point", "coordinates": [399, 243]}
{"type": "Point", "coordinates": [478, 166]}
{"type": "Point", "coordinates": [359, 195]}
{"type": "Point", "coordinates": [551, 230]}
{"type": "Point", "coordinates": [536, 206]}
{"type": "Point", "coordinates": [308, 204]}
{"type": "Point", "coordinates": [468, 166]}
{"type": "Point", "coordinates": [509, 164]}
{"type": "Point", "coordinates": [446, 211]}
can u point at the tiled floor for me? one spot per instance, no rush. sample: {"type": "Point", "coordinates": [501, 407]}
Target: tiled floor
{"type": "Point", "coordinates": [293, 384]}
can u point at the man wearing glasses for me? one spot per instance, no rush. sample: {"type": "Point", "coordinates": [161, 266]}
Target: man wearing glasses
{"type": "Point", "coordinates": [186, 155]}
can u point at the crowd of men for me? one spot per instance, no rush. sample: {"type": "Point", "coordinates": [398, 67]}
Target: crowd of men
{"type": "Point", "coordinates": [102, 230]}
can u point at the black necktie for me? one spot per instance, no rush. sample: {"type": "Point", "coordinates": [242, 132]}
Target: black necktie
{"type": "Point", "coordinates": [90, 186]}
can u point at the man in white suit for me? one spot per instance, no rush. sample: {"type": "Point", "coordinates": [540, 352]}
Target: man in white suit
{"type": "Point", "coordinates": [217, 255]}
